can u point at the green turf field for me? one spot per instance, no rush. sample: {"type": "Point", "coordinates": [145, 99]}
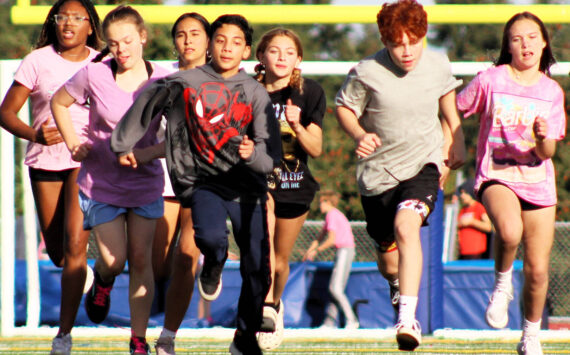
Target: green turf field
{"type": "Point", "coordinates": [430, 345]}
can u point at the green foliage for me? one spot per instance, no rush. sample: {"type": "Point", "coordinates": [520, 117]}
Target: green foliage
{"type": "Point", "coordinates": [335, 169]}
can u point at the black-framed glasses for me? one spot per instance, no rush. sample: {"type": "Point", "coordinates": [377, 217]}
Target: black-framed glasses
{"type": "Point", "coordinates": [74, 19]}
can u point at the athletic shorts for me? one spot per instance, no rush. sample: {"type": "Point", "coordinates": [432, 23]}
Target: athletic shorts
{"type": "Point", "coordinates": [525, 205]}
{"type": "Point", "coordinates": [49, 175]}
{"type": "Point", "coordinates": [418, 193]}
{"type": "Point", "coordinates": [96, 213]}
{"type": "Point", "coordinates": [290, 210]}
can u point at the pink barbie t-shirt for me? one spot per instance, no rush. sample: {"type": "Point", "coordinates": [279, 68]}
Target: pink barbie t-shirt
{"type": "Point", "coordinates": [505, 148]}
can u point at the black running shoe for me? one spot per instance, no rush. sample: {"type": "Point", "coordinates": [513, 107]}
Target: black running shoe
{"type": "Point", "coordinates": [138, 345]}
{"type": "Point", "coordinates": [245, 344]}
{"type": "Point", "coordinates": [98, 299]}
{"type": "Point", "coordinates": [210, 280]}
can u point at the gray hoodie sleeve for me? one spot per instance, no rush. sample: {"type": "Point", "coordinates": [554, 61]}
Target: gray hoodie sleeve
{"type": "Point", "coordinates": [266, 135]}
{"type": "Point", "coordinates": [134, 124]}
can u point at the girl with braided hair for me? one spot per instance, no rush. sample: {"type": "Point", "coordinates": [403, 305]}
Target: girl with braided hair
{"type": "Point", "coordinates": [299, 105]}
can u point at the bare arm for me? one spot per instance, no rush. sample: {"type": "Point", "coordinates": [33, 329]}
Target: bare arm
{"type": "Point", "coordinates": [456, 152]}
{"type": "Point", "coordinates": [315, 248]}
{"type": "Point", "coordinates": [545, 147]}
{"type": "Point", "coordinates": [13, 102]}
{"type": "Point", "coordinates": [142, 155]}
{"type": "Point", "coordinates": [366, 142]}
{"type": "Point", "coordinates": [311, 137]}
{"type": "Point", "coordinates": [483, 225]}
{"type": "Point", "coordinates": [60, 103]}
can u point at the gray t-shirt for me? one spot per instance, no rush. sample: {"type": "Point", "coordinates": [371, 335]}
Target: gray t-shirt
{"type": "Point", "coordinates": [402, 109]}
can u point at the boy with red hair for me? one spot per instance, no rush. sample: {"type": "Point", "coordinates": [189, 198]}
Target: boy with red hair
{"type": "Point", "coordinates": [389, 105]}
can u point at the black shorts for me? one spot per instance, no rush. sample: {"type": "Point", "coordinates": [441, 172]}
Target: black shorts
{"type": "Point", "coordinates": [418, 193]}
{"type": "Point", "coordinates": [525, 205]}
{"type": "Point", "coordinates": [49, 175]}
{"type": "Point", "coordinates": [290, 210]}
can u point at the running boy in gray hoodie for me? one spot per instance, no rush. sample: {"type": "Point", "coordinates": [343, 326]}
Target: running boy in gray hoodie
{"type": "Point", "coordinates": [220, 143]}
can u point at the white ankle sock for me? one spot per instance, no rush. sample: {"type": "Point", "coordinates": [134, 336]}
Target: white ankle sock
{"type": "Point", "coordinates": [407, 311]}
{"type": "Point", "coordinates": [503, 280]}
{"type": "Point", "coordinates": [167, 333]}
{"type": "Point", "coordinates": [531, 328]}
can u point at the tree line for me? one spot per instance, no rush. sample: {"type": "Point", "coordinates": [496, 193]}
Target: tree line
{"type": "Point", "coordinates": [348, 42]}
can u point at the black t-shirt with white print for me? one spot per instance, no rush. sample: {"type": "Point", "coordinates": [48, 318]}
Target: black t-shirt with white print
{"type": "Point", "coordinates": [291, 181]}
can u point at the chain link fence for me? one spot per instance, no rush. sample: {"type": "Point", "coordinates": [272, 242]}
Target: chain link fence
{"type": "Point", "coordinates": [558, 300]}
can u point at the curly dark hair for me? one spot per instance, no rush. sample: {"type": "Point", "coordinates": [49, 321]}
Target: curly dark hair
{"type": "Point", "coordinates": [48, 34]}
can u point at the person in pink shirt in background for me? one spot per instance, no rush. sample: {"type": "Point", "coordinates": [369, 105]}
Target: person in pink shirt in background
{"type": "Point", "coordinates": [69, 40]}
{"type": "Point", "coordinates": [121, 201]}
{"type": "Point", "coordinates": [338, 234]}
{"type": "Point", "coordinates": [521, 118]}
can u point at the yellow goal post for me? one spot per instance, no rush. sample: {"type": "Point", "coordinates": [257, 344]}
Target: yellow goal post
{"type": "Point", "coordinates": [23, 13]}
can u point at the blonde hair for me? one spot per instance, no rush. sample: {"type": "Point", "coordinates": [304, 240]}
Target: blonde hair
{"type": "Point", "coordinates": [296, 80]}
{"type": "Point", "coordinates": [330, 196]}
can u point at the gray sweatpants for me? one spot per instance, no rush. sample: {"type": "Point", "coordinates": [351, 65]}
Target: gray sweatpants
{"type": "Point", "coordinates": [337, 285]}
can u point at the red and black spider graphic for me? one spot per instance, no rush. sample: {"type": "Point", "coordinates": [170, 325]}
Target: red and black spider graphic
{"type": "Point", "coordinates": [214, 115]}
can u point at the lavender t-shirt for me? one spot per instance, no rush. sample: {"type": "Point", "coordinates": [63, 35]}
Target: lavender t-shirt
{"type": "Point", "coordinates": [338, 223]}
{"type": "Point", "coordinates": [101, 177]}
{"type": "Point", "coordinates": [43, 71]}
{"type": "Point", "coordinates": [505, 148]}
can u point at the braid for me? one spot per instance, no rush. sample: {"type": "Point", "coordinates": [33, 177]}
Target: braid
{"type": "Point", "coordinates": [260, 73]}
{"type": "Point", "coordinates": [296, 80]}
{"type": "Point", "coordinates": [104, 52]}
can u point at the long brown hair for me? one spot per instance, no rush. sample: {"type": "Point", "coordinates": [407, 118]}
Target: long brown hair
{"type": "Point", "coordinates": [296, 80]}
{"type": "Point", "coordinates": [546, 58]}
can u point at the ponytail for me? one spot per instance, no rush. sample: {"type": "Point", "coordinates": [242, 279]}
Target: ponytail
{"type": "Point", "coordinates": [296, 80]}
{"type": "Point", "coordinates": [260, 73]}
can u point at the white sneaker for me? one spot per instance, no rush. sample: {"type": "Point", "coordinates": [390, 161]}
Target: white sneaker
{"type": "Point", "coordinates": [497, 313]}
{"type": "Point", "coordinates": [408, 335]}
{"type": "Point", "coordinates": [529, 345]}
{"type": "Point", "coordinates": [164, 346]}
{"type": "Point", "coordinates": [271, 340]}
{"type": "Point", "coordinates": [61, 345]}
{"type": "Point", "coordinates": [269, 319]}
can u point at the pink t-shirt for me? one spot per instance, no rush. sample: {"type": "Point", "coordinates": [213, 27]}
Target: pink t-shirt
{"type": "Point", "coordinates": [101, 177]}
{"type": "Point", "coordinates": [505, 149]}
{"type": "Point", "coordinates": [43, 71]}
{"type": "Point", "coordinates": [337, 222]}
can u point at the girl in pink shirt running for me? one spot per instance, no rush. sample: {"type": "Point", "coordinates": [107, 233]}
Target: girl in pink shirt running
{"type": "Point", "coordinates": [68, 41]}
{"type": "Point", "coordinates": [522, 117]}
{"type": "Point", "coordinates": [120, 200]}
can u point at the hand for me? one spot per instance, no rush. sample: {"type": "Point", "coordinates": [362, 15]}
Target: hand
{"type": "Point", "coordinates": [540, 128]}
{"type": "Point", "coordinates": [246, 148]}
{"type": "Point", "coordinates": [367, 144]}
{"type": "Point", "coordinates": [48, 135]}
{"type": "Point", "coordinates": [310, 255]}
{"type": "Point", "coordinates": [128, 159]}
{"type": "Point", "coordinates": [80, 151]}
{"type": "Point", "coordinates": [293, 115]}
{"type": "Point", "coordinates": [143, 155]}
{"type": "Point", "coordinates": [457, 155]}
